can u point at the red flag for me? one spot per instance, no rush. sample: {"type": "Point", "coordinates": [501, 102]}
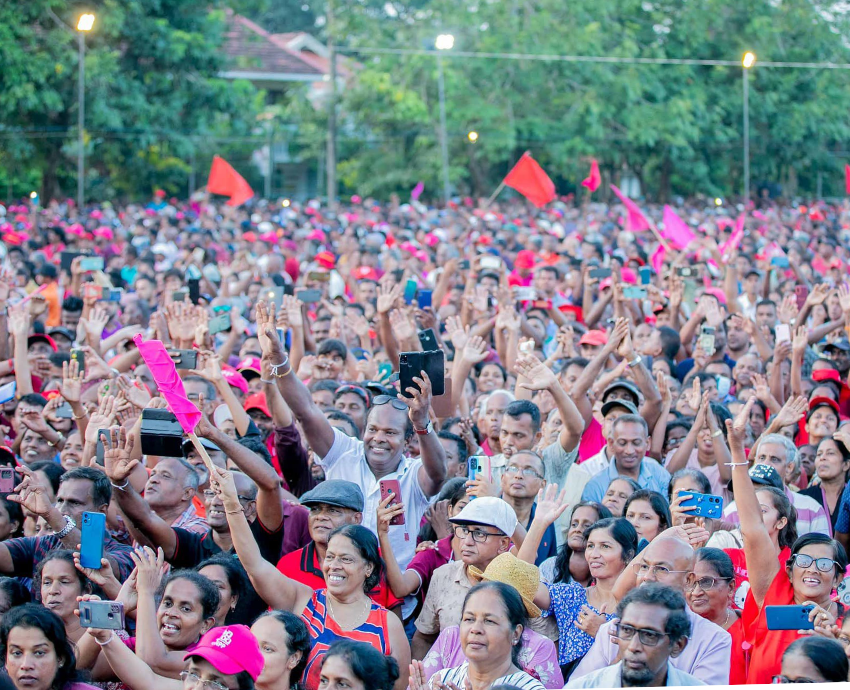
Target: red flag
{"type": "Point", "coordinates": [226, 181]}
{"type": "Point", "coordinates": [530, 180]}
{"type": "Point", "coordinates": [169, 383]}
{"type": "Point", "coordinates": [636, 220]}
{"type": "Point", "coordinates": [847, 179]}
{"type": "Point", "coordinates": [593, 180]}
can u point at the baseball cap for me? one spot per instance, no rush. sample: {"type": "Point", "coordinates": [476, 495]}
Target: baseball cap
{"type": "Point", "coordinates": [525, 259]}
{"type": "Point", "coordinates": [822, 401]}
{"type": "Point", "coordinates": [231, 649]}
{"type": "Point", "coordinates": [364, 273]}
{"type": "Point", "coordinates": [766, 475]}
{"type": "Point", "coordinates": [221, 415]}
{"type": "Point", "coordinates": [257, 401]}
{"type": "Point", "coordinates": [234, 378]}
{"type": "Point", "coordinates": [839, 344]}
{"type": "Point", "coordinates": [326, 260]}
{"type": "Point", "coordinates": [595, 337]}
{"type": "Point", "coordinates": [249, 364]}
{"type": "Point", "coordinates": [63, 332]}
{"type": "Point", "coordinates": [623, 384]}
{"type": "Point", "coordinates": [42, 337]}
{"type": "Point", "coordinates": [335, 492]}
{"type": "Point", "coordinates": [612, 404]}
{"type": "Point", "coordinates": [206, 443]}
{"type": "Point", "coordinates": [489, 511]}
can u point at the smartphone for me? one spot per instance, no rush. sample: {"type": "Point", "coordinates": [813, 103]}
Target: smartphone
{"type": "Point", "coordinates": [527, 346]}
{"type": "Point", "coordinates": [320, 277]}
{"type": "Point", "coordinates": [687, 272]}
{"type": "Point", "coordinates": [801, 292]}
{"type": "Point", "coordinates": [705, 505]}
{"type": "Point", "coordinates": [111, 295]}
{"type": "Point", "coordinates": [91, 263]}
{"type": "Point", "coordinates": [184, 359]}
{"type": "Point", "coordinates": [92, 537]}
{"type": "Point", "coordinates": [194, 290]}
{"type": "Point", "coordinates": [7, 480]}
{"type": "Point", "coordinates": [99, 447]}
{"type": "Point", "coordinates": [491, 262]}
{"type": "Point", "coordinates": [80, 356]}
{"type": "Point", "coordinates": [64, 411]}
{"type": "Point", "coordinates": [789, 617]}
{"type": "Point", "coordinates": [780, 262]}
{"type": "Point", "coordinates": [645, 273]}
{"type": "Point", "coordinates": [428, 340]}
{"type": "Point", "coordinates": [412, 363]}
{"type": "Point", "coordinates": [67, 258]}
{"type": "Point", "coordinates": [180, 295]}
{"type": "Point", "coordinates": [634, 292]}
{"type": "Point", "coordinates": [192, 271]}
{"type": "Point", "coordinates": [390, 487]}
{"type": "Point", "coordinates": [783, 333]}
{"type": "Point", "coordinates": [398, 274]}
{"type": "Point", "coordinates": [599, 273]}
{"type": "Point", "coordinates": [274, 295]}
{"type": "Point", "coordinates": [220, 323]}
{"type": "Point", "coordinates": [706, 340]}
{"type": "Point", "coordinates": [7, 391]}
{"type": "Point", "coordinates": [359, 353]}
{"type": "Point", "coordinates": [463, 265]}
{"type": "Point", "coordinates": [525, 294]}
{"type": "Point", "coordinates": [410, 291]}
{"type": "Point", "coordinates": [480, 465]}
{"type": "Point", "coordinates": [309, 296]}
{"type": "Point", "coordinates": [104, 615]}
{"type": "Point", "coordinates": [424, 299]}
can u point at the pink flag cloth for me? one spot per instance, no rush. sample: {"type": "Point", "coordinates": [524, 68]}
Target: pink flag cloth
{"type": "Point", "coordinates": [636, 220]}
{"type": "Point", "coordinates": [735, 238]}
{"type": "Point", "coordinates": [416, 192]}
{"type": "Point", "coordinates": [593, 180]}
{"type": "Point", "coordinates": [169, 383]}
{"type": "Point", "coordinates": [676, 230]}
{"type": "Point", "coordinates": [657, 259]}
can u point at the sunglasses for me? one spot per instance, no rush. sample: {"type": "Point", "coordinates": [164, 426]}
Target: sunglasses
{"type": "Point", "coordinates": [395, 402]}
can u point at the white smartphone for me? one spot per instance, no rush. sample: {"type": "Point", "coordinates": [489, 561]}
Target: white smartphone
{"type": "Point", "coordinates": [783, 333]}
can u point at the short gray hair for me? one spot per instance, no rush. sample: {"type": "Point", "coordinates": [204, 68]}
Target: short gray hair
{"type": "Point", "coordinates": [486, 398]}
{"type": "Point", "coordinates": [791, 456]}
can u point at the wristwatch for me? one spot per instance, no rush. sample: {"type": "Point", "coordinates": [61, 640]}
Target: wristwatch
{"type": "Point", "coordinates": [69, 527]}
{"type": "Point", "coordinates": [633, 363]}
{"type": "Point", "coordinates": [427, 430]}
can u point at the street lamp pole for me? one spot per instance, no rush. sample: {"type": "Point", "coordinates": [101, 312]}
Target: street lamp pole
{"type": "Point", "coordinates": [747, 62]}
{"type": "Point", "coordinates": [444, 42]}
{"type": "Point", "coordinates": [85, 24]}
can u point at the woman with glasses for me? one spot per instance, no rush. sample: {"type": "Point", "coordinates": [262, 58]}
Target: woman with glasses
{"type": "Point", "coordinates": [814, 660]}
{"type": "Point", "coordinates": [815, 568]}
{"type": "Point", "coordinates": [352, 568]}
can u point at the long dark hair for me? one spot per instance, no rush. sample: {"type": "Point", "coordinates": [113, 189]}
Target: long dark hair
{"type": "Point", "coordinates": [375, 670]}
{"type": "Point", "coordinates": [622, 531]}
{"type": "Point", "coordinates": [658, 504]}
{"type": "Point", "coordinates": [36, 617]}
{"type": "Point", "coordinates": [297, 640]}
{"type": "Point", "coordinates": [514, 609]}
{"type": "Point", "coordinates": [237, 578]}
{"type": "Point", "coordinates": [565, 553]}
{"type": "Point", "coordinates": [366, 544]}
{"type": "Point", "coordinates": [788, 534]}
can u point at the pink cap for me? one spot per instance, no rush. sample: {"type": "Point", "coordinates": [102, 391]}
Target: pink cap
{"type": "Point", "coordinates": [317, 236]}
{"type": "Point", "coordinates": [105, 232]}
{"type": "Point", "coordinates": [96, 214]}
{"type": "Point", "coordinates": [231, 649]}
{"type": "Point", "coordinates": [629, 276]}
{"type": "Point", "coordinates": [234, 378]}
{"type": "Point", "coordinates": [250, 364]}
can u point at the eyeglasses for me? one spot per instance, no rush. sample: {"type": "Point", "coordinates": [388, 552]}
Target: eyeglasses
{"type": "Point", "coordinates": [478, 535]}
{"type": "Point", "coordinates": [209, 493]}
{"type": "Point", "coordinates": [822, 564]}
{"type": "Point", "coordinates": [705, 583]}
{"type": "Point", "coordinates": [524, 471]}
{"type": "Point", "coordinates": [395, 402]}
{"type": "Point", "coordinates": [647, 637]}
{"type": "Point", "coordinates": [776, 680]}
{"type": "Point", "coordinates": [195, 680]}
{"type": "Point", "coordinates": [656, 570]}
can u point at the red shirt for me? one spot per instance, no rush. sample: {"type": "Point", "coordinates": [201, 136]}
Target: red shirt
{"type": "Point", "coordinates": [303, 566]}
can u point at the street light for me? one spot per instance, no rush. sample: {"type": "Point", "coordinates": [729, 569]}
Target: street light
{"type": "Point", "coordinates": [84, 25]}
{"type": "Point", "coordinates": [443, 42]}
{"type": "Point", "coordinates": [747, 63]}
{"type": "Point", "coordinates": [472, 136]}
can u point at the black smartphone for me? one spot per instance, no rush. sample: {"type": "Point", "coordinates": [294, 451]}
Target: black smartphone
{"type": "Point", "coordinates": [687, 272]}
{"type": "Point", "coordinates": [67, 258]}
{"type": "Point", "coordinates": [184, 359]}
{"type": "Point", "coordinates": [64, 411]}
{"type": "Point", "coordinates": [274, 295]}
{"type": "Point", "coordinates": [194, 290]}
{"type": "Point", "coordinates": [411, 364]}
{"type": "Point", "coordinates": [180, 295]}
{"type": "Point", "coordinates": [80, 356]}
{"type": "Point", "coordinates": [428, 339]}
{"type": "Point", "coordinates": [463, 265]}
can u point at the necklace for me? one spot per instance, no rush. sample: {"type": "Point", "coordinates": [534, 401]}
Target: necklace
{"type": "Point", "coordinates": [727, 618]}
{"type": "Point", "coordinates": [329, 599]}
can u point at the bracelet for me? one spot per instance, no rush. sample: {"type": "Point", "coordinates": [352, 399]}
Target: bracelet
{"type": "Point", "coordinates": [262, 380]}
{"type": "Point", "coordinates": [715, 434]}
{"type": "Point", "coordinates": [57, 441]}
{"type": "Point", "coordinates": [276, 367]}
{"type": "Point", "coordinates": [109, 639]}
{"type": "Point", "coordinates": [736, 464]}
{"type": "Point", "coordinates": [122, 487]}
{"type": "Point", "coordinates": [67, 529]}
{"type": "Point", "coordinates": [82, 416]}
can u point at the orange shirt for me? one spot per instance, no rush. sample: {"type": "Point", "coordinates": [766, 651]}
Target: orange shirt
{"type": "Point", "coordinates": [54, 305]}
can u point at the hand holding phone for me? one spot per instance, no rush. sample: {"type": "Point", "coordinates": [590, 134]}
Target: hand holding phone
{"type": "Point", "coordinates": [92, 536]}
{"type": "Point", "coordinates": [391, 487]}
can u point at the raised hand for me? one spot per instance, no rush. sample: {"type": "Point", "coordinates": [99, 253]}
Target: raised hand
{"type": "Point", "coordinates": [476, 350]}
{"type": "Point", "coordinates": [292, 306]}
{"type": "Point", "coordinates": [18, 321]}
{"type": "Point", "coordinates": [100, 576]}
{"type": "Point", "coordinates": [420, 402]}
{"type": "Point", "coordinates": [818, 294]}
{"type": "Point", "coordinates": [737, 428]}
{"type": "Point", "coordinates": [618, 333]}
{"type": "Point", "coordinates": [801, 341]}
{"type": "Point", "coordinates": [761, 387]}
{"type": "Point", "coordinates": [695, 397]}
{"type": "Point", "coordinates": [844, 297]}
{"type": "Point", "coordinates": [267, 333]}
{"type": "Point", "coordinates": [149, 569]}
{"type": "Point", "coordinates": [96, 322]}
{"type": "Point", "coordinates": [403, 327]}
{"type": "Point", "coordinates": [34, 420]}
{"type": "Point", "coordinates": [209, 367]}
{"type": "Point", "coordinates": [550, 504]}
{"type": "Point", "coordinates": [133, 391]}
{"type": "Point", "coordinates": [663, 388]}
{"type": "Point", "coordinates": [458, 334]}
{"type": "Point", "coordinates": [221, 481]}
{"type": "Point", "coordinates": [101, 419]}
{"type": "Point", "coordinates": [537, 375]}
{"type": "Point", "coordinates": [387, 297]}
{"type": "Point", "coordinates": [96, 368]}
{"type": "Point", "coordinates": [792, 411]}
{"type": "Point", "coordinates": [117, 462]}
{"type": "Point", "coordinates": [387, 512]}
{"type": "Point", "coordinates": [31, 493]}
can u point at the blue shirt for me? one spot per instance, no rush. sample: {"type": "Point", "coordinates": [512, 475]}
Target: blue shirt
{"type": "Point", "coordinates": [652, 476]}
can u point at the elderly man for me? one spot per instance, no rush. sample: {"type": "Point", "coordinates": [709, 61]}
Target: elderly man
{"type": "Point", "coordinates": [667, 561]}
{"type": "Point", "coordinates": [170, 491]}
{"type": "Point", "coordinates": [651, 630]}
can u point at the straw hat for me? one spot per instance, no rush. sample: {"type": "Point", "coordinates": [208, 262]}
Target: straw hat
{"type": "Point", "coordinates": [510, 570]}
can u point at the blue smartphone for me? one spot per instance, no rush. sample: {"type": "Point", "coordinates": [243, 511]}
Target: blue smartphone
{"type": "Point", "coordinates": [780, 262]}
{"type": "Point", "coordinates": [645, 273]}
{"type": "Point", "coordinates": [92, 536]}
{"type": "Point", "coordinates": [424, 298]}
{"type": "Point", "coordinates": [788, 617]}
{"type": "Point", "coordinates": [410, 291]}
{"type": "Point", "coordinates": [359, 353]}
{"type": "Point", "coordinates": [706, 505]}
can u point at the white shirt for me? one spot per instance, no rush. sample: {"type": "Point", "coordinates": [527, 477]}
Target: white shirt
{"type": "Point", "coordinates": [612, 677]}
{"type": "Point", "coordinates": [596, 463]}
{"type": "Point", "coordinates": [458, 675]}
{"type": "Point", "coordinates": [347, 460]}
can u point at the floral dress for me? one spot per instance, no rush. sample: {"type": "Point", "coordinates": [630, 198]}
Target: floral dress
{"type": "Point", "coordinates": [567, 600]}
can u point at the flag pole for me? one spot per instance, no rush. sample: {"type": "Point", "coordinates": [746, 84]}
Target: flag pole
{"type": "Point", "coordinates": [495, 194]}
{"type": "Point", "coordinates": [658, 235]}
{"type": "Point", "coordinates": [203, 453]}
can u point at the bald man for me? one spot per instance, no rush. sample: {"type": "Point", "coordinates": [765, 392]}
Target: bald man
{"type": "Point", "coordinates": [667, 561]}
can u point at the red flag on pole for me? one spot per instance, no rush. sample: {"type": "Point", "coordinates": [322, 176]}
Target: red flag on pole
{"type": "Point", "coordinates": [636, 220]}
{"type": "Point", "coordinates": [593, 180]}
{"type": "Point", "coordinates": [847, 179]}
{"type": "Point", "coordinates": [226, 181]}
{"type": "Point", "coordinates": [530, 180]}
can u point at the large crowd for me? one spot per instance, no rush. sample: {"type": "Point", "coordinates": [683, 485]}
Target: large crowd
{"type": "Point", "coordinates": [468, 447]}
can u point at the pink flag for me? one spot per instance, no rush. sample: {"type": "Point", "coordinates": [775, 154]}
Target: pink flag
{"type": "Point", "coordinates": [636, 220]}
{"type": "Point", "coordinates": [657, 259]}
{"type": "Point", "coordinates": [676, 230]}
{"type": "Point", "coordinates": [169, 383]}
{"type": "Point", "coordinates": [416, 192]}
{"type": "Point", "coordinates": [735, 238]}
{"type": "Point", "coordinates": [594, 179]}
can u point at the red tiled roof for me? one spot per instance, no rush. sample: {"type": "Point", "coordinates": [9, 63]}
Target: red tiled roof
{"type": "Point", "coordinates": [252, 49]}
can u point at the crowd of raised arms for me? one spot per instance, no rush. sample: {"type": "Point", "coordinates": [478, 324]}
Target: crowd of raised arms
{"type": "Point", "coordinates": [452, 448]}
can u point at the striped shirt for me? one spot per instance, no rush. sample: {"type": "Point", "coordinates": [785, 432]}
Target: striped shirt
{"type": "Point", "coordinates": [811, 517]}
{"type": "Point", "coordinates": [458, 674]}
